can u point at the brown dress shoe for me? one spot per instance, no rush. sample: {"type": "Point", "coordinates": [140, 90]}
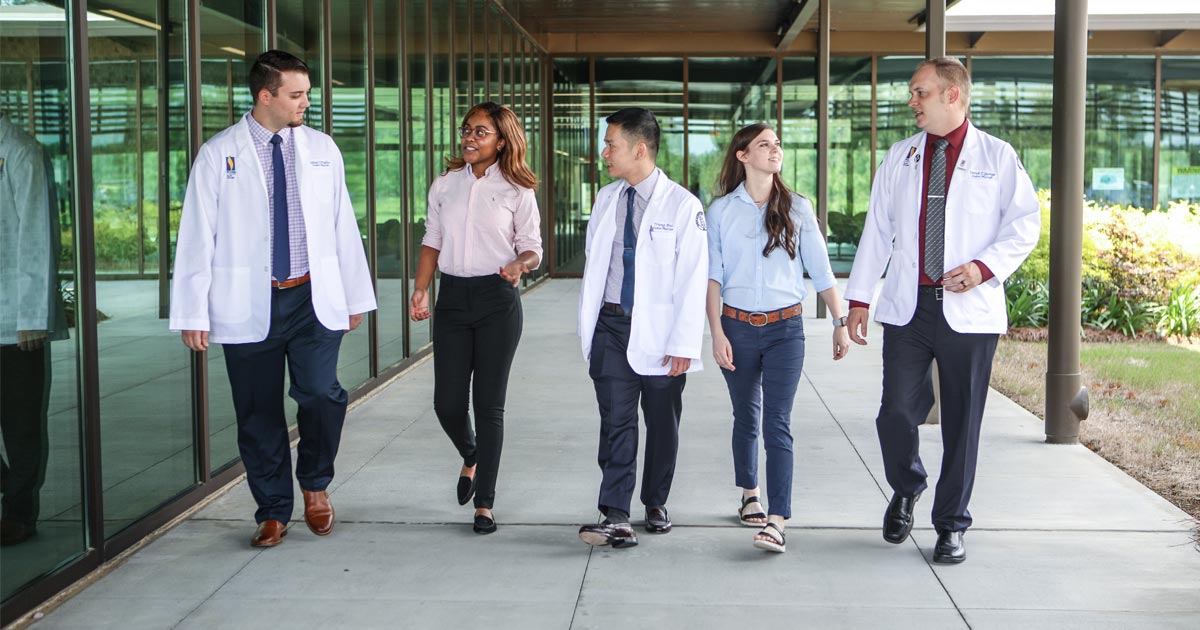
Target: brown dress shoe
{"type": "Point", "coordinates": [318, 512]}
{"type": "Point", "coordinates": [269, 534]}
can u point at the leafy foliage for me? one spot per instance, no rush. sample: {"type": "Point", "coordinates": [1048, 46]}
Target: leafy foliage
{"type": "Point", "coordinates": [1028, 303]}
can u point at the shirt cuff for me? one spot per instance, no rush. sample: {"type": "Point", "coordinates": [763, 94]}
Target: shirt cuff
{"type": "Point", "coordinates": [983, 269]}
{"type": "Point", "coordinates": [857, 304]}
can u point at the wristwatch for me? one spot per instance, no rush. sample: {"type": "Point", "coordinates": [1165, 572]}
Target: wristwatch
{"type": "Point", "coordinates": [839, 322]}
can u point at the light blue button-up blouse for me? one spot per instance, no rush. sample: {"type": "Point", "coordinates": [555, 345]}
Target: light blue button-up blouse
{"type": "Point", "coordinates": [750, 281]}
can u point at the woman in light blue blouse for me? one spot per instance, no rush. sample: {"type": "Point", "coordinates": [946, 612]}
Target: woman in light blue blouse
{"type": "Point", "coordinates": [761, 239]}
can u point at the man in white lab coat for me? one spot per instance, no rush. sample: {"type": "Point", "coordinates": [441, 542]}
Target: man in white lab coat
{"type": "Point", "coordinates": [270, 263]}
{"type": "Point", "coordinates": [954, 212]}
{"type": "Point", "coordinates": [641, 321]}
{"type": "Point", "coordinates": [31, 316]}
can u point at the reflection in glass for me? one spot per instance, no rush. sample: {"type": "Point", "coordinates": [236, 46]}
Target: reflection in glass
{"type": "Point", "coordinates": [419, 159]}
{"type": "Point", "coordinates": [298, 23]}
{"type": "Point", "coordinates": [574, 161]}
{"type": "Point", "coordinates": [850, 159]}
{"type": "Point", "coordinates": [1179, 152]}
{"type": "Point", "coordinates": [895, 117]}
{"type": "Point", "coordinates": [1119, 137]}
{"type": "Point", "coordinates": [724, 95]}
{"type": "Point", "coordinates": [655, 84]}
{"type": "Point", "coordinates": [349, 62]}
{"type": "Point", "coordinates": [389, 191]}
{"type": "Point", "coordinates": [41, 515]}
{"type": "Point", "coordinates": [147, 437]}
{"type": "Point", "coordinates": [1012, 98]}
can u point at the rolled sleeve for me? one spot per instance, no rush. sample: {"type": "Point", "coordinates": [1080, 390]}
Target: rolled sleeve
{"type": "Point", "coordinates": [433, 218]}
{"type": "Point", "coordinates": [527, 225]}
{"type": "Point", "coordinates": [716, 268]}
{"type": "Point", "coordinates": [813, 251]}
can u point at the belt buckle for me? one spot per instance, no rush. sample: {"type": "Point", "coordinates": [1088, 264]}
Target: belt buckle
{"type": "Point", "coordinates": [750, 319]}
{"type": "Point", "coordinates": [937, 293]}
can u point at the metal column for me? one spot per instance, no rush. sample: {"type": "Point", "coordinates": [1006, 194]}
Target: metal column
{"type": "Point", "coordinates": [823, 127]}
{"type": "Point", "coordinates": [1066, 399]}
{"type": "Point", "coordinates": [935, 28]}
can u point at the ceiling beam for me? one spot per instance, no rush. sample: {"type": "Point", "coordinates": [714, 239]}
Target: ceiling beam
{"type": "Point", "coordinates": [974, 37]}
{"type": "Point", "coordinates": [1166, 37]}
{"type": "Point", "coordinates": [802, 12]}
{"type": "Point", "coordinates": [919, 19]}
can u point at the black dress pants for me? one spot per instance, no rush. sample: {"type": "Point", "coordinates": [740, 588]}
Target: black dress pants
{"type": "Point", "coordinates": [618, 391]}
{"type": "Point", "coordinates": [310, 351]}
{"type": "Point", "coordinates": [476, 327]}
{"type": "Point", "coordinates": [24, 398]}
{"type": "Point", "coordinates": [964, 371]}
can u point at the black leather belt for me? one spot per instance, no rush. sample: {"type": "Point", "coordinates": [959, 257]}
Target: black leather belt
{"type": "Point", "coordinates": [615, 309]}
{"type": "Point", "coordinates": [929, 288]}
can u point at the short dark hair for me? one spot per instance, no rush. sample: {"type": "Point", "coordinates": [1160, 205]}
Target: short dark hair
{"type": "Point", "coordinates": [639, 125]}
{"type": "Point", "coordinates": [267, 71]}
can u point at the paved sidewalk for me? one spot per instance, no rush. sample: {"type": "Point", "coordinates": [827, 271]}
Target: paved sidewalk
{"type": "Point", "coordinates": [1062, 538]}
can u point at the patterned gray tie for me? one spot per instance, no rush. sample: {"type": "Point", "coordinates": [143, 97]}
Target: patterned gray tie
{"type": "Point", "coordinates": [935, 213]}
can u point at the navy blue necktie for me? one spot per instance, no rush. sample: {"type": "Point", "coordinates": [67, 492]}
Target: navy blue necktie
{"type": "Point", "coordinates": [627, 255]}
{"type": "Point", "coordinates": [281, 251]}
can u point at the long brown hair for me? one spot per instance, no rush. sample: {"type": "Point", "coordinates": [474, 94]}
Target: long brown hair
{"type": "Point", "coordinates": [781, 230]}
{"type": "Point", "coordinates": [512, 156]}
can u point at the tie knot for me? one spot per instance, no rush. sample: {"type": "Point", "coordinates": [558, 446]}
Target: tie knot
{"type": "Point", "coordinates": [276, 139]}
{"type": "Point", "coordinates": [631, 191]}
{"type": "Point", "coordinates": [940, 144]}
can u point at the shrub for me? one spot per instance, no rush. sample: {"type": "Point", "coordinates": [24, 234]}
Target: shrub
{"type": "Point", "coordinates": [1105, 308]}
{"type": "Point", "coordinates": [1028, 303]}
{"type": "Point", "coordinates": [1180, 316]}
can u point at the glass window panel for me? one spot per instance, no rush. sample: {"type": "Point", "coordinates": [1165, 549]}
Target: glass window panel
{"type": "Point", "coordinates": [1179, 152]}
{"type": "Point", "coordinates": [494, 30]}
{"type": "Point", "coordinates": [42, 473]}
{"type": "Point", "coordinates": [574, 161]}
{"type": "Point", "coordinates": [419, 159]}
{"type": "Point", "coordinates": [1119, 137]}
{"type": "Point", "coordinates": [463, 96]}
{"type": "Point", "coordinates": [349, 109]}
{"type": "Point", "coordinates": [232, 38]}
{"type": "Point", "coordinates": [894, 116]}
{"type": "Point", "coordinates": [147, 437]}
{"type": "Point", "coordinates": [389, 190]}
{"type": "Point", "coordinates": [298, 26]}
{"type": "Point", "coordinates": [442, 118]}
{"type": "Point", "coordinates": [655, 84]}
{"type": "Point", "coordinates": [1012, 98]}
{"type": "Point", "coordinates": [724, 95]}
{"type": "Point", "coordinates": [850, 158]}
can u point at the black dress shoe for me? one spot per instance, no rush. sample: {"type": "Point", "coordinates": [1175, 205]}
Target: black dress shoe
{"type": "Point", "coordinates": [606, 534]}
{"type": "Point", "coordinates": [898, 519]}
{"type": "Point", "coordinates": [466, 489]}
{"type": "Point", "coordinates": [484, 524]}
{"type": "Point", "coordinates": [657, 520]}
{"type": "Point", "coordinates": [949, 549]}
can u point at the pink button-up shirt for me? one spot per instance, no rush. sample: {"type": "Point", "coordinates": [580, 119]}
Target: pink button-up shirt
{"type": "Point", "coordinates": [480, 224]}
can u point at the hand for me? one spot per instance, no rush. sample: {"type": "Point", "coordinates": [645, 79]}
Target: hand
{"type": "Point", "coordinates": [841, 342]}
{"type": "Point", "coordinates": [856, 324]}
{"type": "Point", "coordinates": [28, 340]}
{"type": "Point", "coordinates": [196, 339]}
{"type": "Point", "coordinates": [355, 320]}
{"type": "Point", "coordinates": [679, 365]}
{"type": "Point", "coordinates": [723, 352]}
{"type": "Point", "coordinates": [962, 278]}
{"type": "Point", "coordinates": [513, 270]}
{"type": "Point", "coordinates": [419, 308]}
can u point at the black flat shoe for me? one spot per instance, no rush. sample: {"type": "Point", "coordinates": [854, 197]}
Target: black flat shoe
{"type": "Point", "coordinates": [606, 534]}
{"type": "Point", "coordinates": [949, 548]}
{"type": "Point", "coordinates": [657, 520]}
{"type": "Point", "coordinates": [466, 489]}
{"type": "Point", "coordinates": [484, 524]}
{"type": "Point", "coordinates": [898, 519]}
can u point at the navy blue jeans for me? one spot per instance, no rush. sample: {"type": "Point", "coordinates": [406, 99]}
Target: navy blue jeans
{"type": "Point", "coordinates": [767, 364]}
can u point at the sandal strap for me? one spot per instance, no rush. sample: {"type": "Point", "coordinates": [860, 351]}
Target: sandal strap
{"type": "Point", "coordinates": [750, 499]}
{"type": "Point", "coordinates": [779, 539]}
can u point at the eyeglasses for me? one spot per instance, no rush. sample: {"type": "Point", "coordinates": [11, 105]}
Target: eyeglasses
{"type": "Point", "coordinates": [480, 132]}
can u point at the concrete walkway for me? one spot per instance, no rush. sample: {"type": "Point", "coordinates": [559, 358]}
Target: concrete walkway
{"type": "Point", "coordinates": [1062, 538]}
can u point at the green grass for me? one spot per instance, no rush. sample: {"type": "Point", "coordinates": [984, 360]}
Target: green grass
{"type": "Point", "coordinates": [1149, 367]}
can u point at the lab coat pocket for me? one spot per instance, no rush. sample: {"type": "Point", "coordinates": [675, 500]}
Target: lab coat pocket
{"type": "Point", "coordinates": [981, 196]}
{"type": "Point", "coordinates": [662, 246]}
{"type": "Point", "coordinates": [229, 297]}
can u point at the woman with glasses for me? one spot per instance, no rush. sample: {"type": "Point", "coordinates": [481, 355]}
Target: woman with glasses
{"type": "Point", "coordinates": [761, 239]}
{"type": "Point", "coordinates": [483, 233]}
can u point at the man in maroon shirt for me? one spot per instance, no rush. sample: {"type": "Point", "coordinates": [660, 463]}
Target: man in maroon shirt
{"type": "Point", "coordinates": [952, 214]}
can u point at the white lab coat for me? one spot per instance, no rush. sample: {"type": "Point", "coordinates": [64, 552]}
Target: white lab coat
{"type": "Point", "coordinates": [992, 215]}
{"type": "Point", "coordinates": [671, 271]}
{"type": "Point", "coordinates": [222, 280]}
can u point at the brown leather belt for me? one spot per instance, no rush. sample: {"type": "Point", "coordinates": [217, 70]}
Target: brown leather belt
{"type": "Point", "coordinates": [762, 319]}
{"type": "Point", "coordinates": [294, 282]}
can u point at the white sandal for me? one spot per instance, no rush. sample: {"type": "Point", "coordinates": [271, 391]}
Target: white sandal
{"type": "Point", "coordinates": [774, 542]}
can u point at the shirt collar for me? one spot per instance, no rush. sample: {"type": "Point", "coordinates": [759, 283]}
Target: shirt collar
{"type": "Point", "coordinates": [261, 134]}
{"type": "Point", "coordinates": [954, 137]}
{"type": "Point", "coordinates": [487, 172]}
{"type": "Point", "coordinates": [645, 188]}
{"type": "Point", "coordinates": [741, 193]}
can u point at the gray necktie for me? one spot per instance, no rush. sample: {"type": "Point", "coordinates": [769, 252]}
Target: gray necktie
{"type": "Point", "coordinates": [935, 212]}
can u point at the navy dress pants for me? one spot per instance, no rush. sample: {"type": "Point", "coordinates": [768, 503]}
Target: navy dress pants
{"type": "Point", "coordinates": [964, 369]}
{"type": "Point", "coordinates": [618, 392]}
{"type": "Point", "coordinates": [256, 377]}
